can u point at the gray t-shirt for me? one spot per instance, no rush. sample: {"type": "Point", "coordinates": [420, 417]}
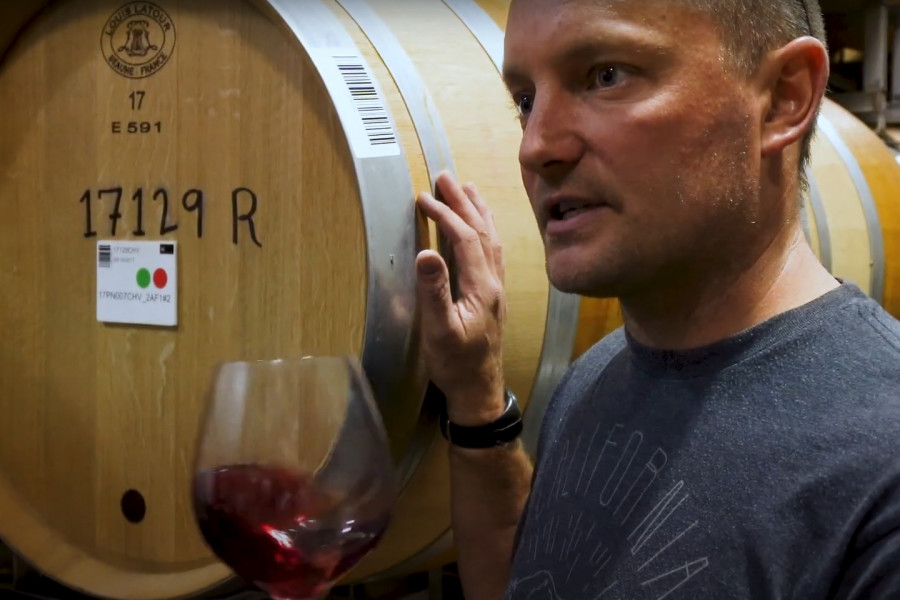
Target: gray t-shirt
{"type": "Point", "coordinates": [764, 466]}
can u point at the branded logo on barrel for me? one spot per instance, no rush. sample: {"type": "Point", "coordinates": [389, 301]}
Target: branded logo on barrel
{"type": "Point", "coordinates": [138, 40]}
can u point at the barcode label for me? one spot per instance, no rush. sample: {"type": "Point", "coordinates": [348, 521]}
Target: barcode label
{"type": "Point", "coordinates": [104, 256]}
{"type": "Point", "coordinates": [376, 136]}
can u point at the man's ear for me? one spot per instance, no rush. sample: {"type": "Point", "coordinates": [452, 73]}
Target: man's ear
{"type": "Point", "coordinates": [793, 79]}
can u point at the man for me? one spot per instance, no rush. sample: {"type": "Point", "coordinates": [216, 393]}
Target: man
{"type": "Point", "coordinates": [740, 438]}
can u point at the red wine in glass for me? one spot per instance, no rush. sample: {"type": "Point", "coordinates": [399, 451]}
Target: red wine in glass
{"type": "Point", "coordinates": [276, 529]}
{"type": "Point", "coordinates": [293, 481]}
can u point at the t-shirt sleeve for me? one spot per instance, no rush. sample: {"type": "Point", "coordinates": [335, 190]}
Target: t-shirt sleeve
{"type": "Point", "coordinates": [873, 563]}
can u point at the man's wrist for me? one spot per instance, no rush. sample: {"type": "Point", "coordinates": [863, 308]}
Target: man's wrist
{"type": "Point", "coordinates": [485, 410]}
{"type": "Point", "coordinates": [489, 428]}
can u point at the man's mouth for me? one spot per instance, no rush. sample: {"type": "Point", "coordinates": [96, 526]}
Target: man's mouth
{"type": "Point", "coordinates": [568, 209]}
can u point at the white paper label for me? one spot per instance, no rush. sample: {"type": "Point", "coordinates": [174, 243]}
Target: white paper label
{"type": "Point", "coordinates": [137, 283]}
{"type": "Point", "coordinates": [364, 110]}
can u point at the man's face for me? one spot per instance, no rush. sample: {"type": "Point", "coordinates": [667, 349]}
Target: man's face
{"type": "Point", "coordinates": [640, 150]}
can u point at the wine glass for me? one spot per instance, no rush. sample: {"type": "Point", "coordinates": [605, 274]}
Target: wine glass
{"type": "Point", "coordinates": [294, 481]}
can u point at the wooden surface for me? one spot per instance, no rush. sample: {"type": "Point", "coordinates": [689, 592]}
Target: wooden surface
{"type": "Point", "coordinates": [848, 233]}
{"type": "Point", "coordinates": [496, 9]}
{"type": "Point", "coordinates": [93, 410]}
{"type": "Point", "coordinates": [597, 317]}
{"type": "Point", "coordinates": [882, 174]}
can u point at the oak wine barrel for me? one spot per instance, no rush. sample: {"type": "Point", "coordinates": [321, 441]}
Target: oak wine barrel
{"type": "Point", "coordinates": [186, 182]}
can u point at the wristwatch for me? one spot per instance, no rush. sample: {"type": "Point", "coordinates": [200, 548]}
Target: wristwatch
{"type": "Point", "coordinates": [504, 429]}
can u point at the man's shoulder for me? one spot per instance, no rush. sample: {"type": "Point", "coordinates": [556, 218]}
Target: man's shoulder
{"type": "Point", "coordinates": [845, 333]}
{"type": "Point", "coordinates": [882, 327]}
{"type": "Point", "coordinates": [862, 369]}
{"type": "Point", "coordinates": [862, 343]}
{"type": "Point", "coordinates": [836, 380]}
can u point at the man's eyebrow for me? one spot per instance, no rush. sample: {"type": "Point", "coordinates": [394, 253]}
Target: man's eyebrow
{"type": "Point", "coordinates": [590, 48]}
{"type": "Point", "coordinates": [511, 75]}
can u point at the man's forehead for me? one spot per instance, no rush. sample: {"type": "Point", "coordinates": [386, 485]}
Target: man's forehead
{"type": "Point", "coordinates": [553, 26]}
{"type": "Point", "coordinates": [528, 16]}
{"type": "Point", "coordinates": [595, 6]}
{"type": "Point", "coordinates": [548, 33]}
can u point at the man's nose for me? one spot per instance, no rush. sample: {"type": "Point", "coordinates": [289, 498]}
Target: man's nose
{"type": "Point", "coordinates": [552, 138]}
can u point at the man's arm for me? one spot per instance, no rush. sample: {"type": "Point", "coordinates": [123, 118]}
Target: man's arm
{"type": "Point", "coordinates": [462, 347]}
{"type": "Point", "coordinates": [488, 491]}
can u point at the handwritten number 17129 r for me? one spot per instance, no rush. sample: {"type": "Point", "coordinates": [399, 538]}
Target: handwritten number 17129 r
{"type": "Point", "coordinates": [244, 203]}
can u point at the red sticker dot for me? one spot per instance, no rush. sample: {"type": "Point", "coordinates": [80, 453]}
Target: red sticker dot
{"type": "Point", "coordinates": [160, 279]}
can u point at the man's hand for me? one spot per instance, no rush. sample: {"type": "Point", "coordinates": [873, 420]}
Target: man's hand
{"type": "Point", "coordinates": [462, 339]}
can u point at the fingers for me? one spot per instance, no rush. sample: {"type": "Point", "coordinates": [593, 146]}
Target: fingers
{"type": "Point", "coordinates": [472, 264]}
{"type": "Point", "coordinates": [466, 202]}
{"type": "Point", "coordinates": [461, 199]}
{"type": "Point", "coordinates": [433, 290]}
{"type": "Point", "coordinates": [487, 218]}
{"type": "Point", "coordinates": [456, 198]}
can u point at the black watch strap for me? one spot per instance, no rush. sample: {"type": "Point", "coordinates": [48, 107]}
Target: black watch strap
{"type": "Point", "coordinates": [506, 428]}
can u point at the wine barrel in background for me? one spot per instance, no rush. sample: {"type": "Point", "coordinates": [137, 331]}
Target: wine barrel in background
{"type": "Point", "coordinates": [853, 208]}
{"type": "Point", "coordinates": [268, 152]}
{"type": "Point", "coordinates": [851, 218]}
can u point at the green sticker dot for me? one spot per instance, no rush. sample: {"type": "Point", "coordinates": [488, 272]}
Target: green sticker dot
{"type": "Point", "coordinates": [143, 278]}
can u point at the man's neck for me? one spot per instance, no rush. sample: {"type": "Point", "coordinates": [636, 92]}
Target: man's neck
{"type": "Point", "coordinates": [787, 275]}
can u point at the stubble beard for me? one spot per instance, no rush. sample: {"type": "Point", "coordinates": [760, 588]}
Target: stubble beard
{"type": "Point", "coordinates": [712, 249]}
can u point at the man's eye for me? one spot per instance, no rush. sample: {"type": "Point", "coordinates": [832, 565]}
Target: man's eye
{"type": "Point", "coordinates": [524, 103]}
{"type": "Point", "coordinates": [607, 76]}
